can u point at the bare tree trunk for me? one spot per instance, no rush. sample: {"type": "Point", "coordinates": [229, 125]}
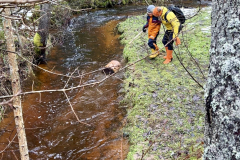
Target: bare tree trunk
{"type": "Point", "coordinates": [40, 39]}
{"type": "Point", "coordinates": [222, 122]}
{"type": "Point", "coordinates": [12, 60]}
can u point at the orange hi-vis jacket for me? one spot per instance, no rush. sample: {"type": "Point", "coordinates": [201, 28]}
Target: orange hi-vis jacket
{"type": "Point", "coordinates": [153, 25]}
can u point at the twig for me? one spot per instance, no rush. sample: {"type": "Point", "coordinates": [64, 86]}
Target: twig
{"type": "Point", "coordinates": [73, 110]}
{"type": "Point", "coordinates": [147, 2]}
{"type": "Point", "coordinates": [2, 156]}
{"type": "Point", "coordinates": [40, 17]}
{"type": "Point", "coordinates": [35, 128]}
{"type": "Point", "coordinates": [135, 37]}
{"type": "Point", "coordinates": [189, 53]}
{"type": "Point", "coordinates": [7, 102]}
{"type": "Point", "coordinates": [70, 77]}
{"type": "Point", "coordinates": [80, 78]}
{"type": "Point", "coordinates": [32, 85]}
{"type": "Point", "coordinates": [14, 154]}
{"type": "Point", "coordinates": [187, 70]}
{"type": "Point", "coordinates": [8, 144]}
{"type": "Point", "coordinates": [119, 78]}
{"type": "Point", "coordinates": [53, 68]}
{"type": "Point", "coordinates": [122, 147]}
{"type": "Point", "coordinates": [40, 99]}
{"type": "Point", "coordinates": [10, 17]}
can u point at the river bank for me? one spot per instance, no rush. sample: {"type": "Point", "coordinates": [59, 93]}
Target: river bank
{"type": "Point", "coordinates": [165, 105]}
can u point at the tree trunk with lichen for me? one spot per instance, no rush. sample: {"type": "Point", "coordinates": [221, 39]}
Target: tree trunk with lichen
{"type": "Point", "coordinates": [40, 38]}
{"type": "Point", "coordinates": [16, 87]}
{"type": "Point", "coordinates": [222, 92]}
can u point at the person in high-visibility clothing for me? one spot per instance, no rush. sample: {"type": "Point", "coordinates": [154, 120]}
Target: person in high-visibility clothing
{"type": "Point", "coordinates": [173, 28]}
{"type": "Point", "coordinates": [153, 25]}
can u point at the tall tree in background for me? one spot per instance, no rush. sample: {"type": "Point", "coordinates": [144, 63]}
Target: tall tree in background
{"type": "Point", "coordinates": [222, 123]}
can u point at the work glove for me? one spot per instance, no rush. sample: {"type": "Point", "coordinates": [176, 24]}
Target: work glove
{"type": "Point", "coordinates": [144, 29]}
{"type": "Point", "coordinates": [177, 41]}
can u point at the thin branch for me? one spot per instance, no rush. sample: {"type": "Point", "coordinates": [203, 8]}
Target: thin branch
{"type": "Point", "coordinates": [2, 156]}
{"type": "Point", "coordinates": [14, 154]}
{"type": "Point", "coordinates": [80, 82]}
{"type": "Point", "coordinates": [70, 77]}
{"type": "Point", "coordinates": [189, 53]}
{"type": "Point", "coordinates": [73, 110]}
{"type": "Point", "coordinates": [147, 2]}
{"type": "Point", "coordinates": [135, 37]}
{"type": "Point", "coordinates": [9, 102]}
{"type": "Point", "coordinates": [35, 128]}
{"type": "Point", "coordinates": [187, 70]}
{"type": "Point", "coordinates": [122, 147]}
{"type": "Point", "coordinates": [10, 17]}
{"type": "Point", "coordinates": [9, 144]}
{"type": "Point", "coordinates": [40, 97]}
{"type": "Point", "coordinates": [118, 78]}
{"type": "Point", "coordinates": [32, 85]}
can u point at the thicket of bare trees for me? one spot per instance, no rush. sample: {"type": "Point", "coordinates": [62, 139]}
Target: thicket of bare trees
{"type": "Point", "coordinates": [22, 20]}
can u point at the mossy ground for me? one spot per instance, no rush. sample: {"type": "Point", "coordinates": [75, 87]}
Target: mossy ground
{"type": "Point", "coordinates": [165, 105]}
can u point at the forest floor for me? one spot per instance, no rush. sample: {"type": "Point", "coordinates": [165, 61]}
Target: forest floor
{"type": "Point", "coordinates": [165, 118]}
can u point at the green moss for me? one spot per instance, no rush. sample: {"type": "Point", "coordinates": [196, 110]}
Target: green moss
{"type": "Point", "coordinates": [1, 35]}
{"type": "Point", "coordinates": [165, 95]}
{"type": "Point", "coordinates": [1, 113]}
{"type": "Point", "coordinates": [1, 31]}
{"type": "Point", "coordinates": [37, 42]}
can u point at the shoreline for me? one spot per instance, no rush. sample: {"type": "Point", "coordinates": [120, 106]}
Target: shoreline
{"type": "Point", "coordinates": [165, 106]}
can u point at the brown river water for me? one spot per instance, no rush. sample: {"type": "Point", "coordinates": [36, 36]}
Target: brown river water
{"type": "Point", "coordinates": [52, 130]}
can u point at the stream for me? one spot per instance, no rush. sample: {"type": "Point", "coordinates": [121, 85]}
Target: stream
{"type": "Point", "coordinates": [52, 129]}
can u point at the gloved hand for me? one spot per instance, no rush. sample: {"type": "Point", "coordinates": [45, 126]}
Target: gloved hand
{"type": "Point", "coordinates": [177, 41]}
{"type": "Point", "coordinates": [144, 29]}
